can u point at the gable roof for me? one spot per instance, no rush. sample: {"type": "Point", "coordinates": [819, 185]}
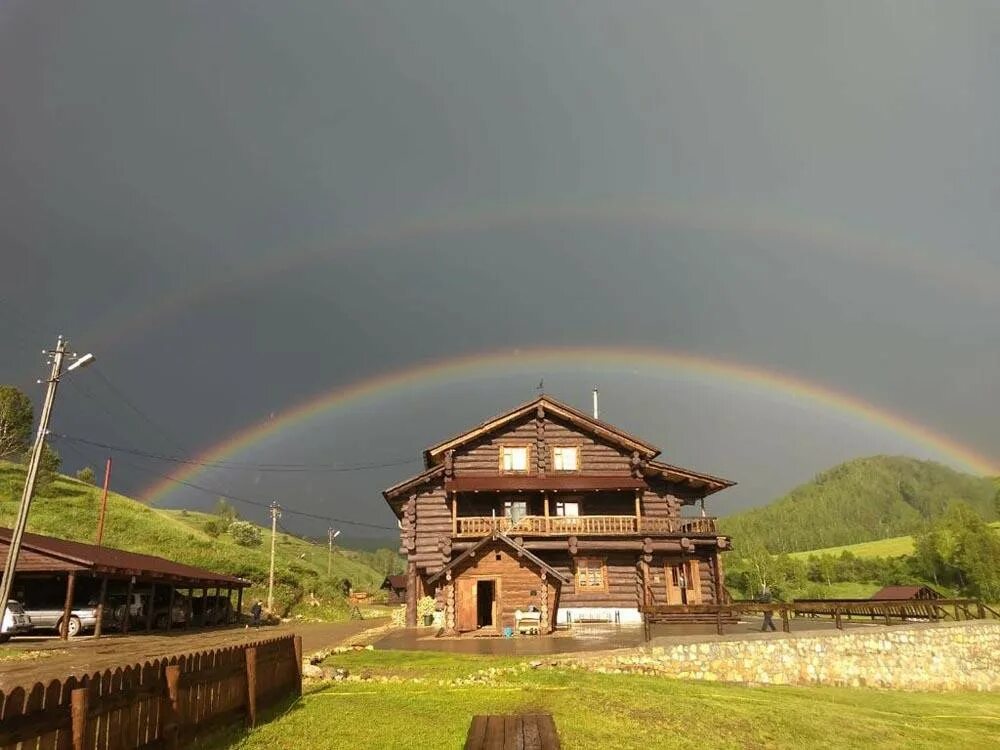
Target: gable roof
{"type": "Point", "coordinates": [906, 592]}
{"type": "Point", "coordinates": [424, 477]}
{"type": "Point", "coordinates": [604, 430]}
{"type": "Point", "coordinates": [497, 536]}
{"type": "Point", "coordinates": [394, 582]}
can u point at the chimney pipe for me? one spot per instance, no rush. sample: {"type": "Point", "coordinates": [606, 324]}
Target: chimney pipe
{"type": "Point", "coordinates": [596, 413]}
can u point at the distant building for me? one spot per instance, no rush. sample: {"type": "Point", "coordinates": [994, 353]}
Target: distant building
{"type": "Point", "coordinates": [546, 508]}
{"type": "Point", "coordinates": [906, 593]}
{"type": "Point", "coordinates": [396, 586]}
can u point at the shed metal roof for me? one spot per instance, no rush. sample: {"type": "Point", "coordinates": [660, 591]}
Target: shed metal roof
{"type": "Point", "coordinates": [108, 560]}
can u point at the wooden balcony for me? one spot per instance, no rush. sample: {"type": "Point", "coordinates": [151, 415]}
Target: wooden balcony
{"type": "Point", "coordinates": [479, 526]}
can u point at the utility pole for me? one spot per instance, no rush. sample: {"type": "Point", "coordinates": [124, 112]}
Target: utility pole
{"type": "Point", "coordinates": [331, 534]}
{"type": "Point", "coordinates": [275, 515]}
{"type": "Point", "coordinates": [104, 501]}
{"type": "Point", "coordinates": [14, 552]}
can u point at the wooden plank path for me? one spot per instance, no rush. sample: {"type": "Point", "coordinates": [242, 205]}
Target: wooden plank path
{"type": "Point", "coordinates": [512, 732]}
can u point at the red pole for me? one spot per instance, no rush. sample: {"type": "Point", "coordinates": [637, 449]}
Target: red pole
{"type": "Point", "coordinates": [104, 501]}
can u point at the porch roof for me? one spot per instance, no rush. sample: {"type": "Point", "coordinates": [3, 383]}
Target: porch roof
{"type": "Point", "coordinates": [497, 536]}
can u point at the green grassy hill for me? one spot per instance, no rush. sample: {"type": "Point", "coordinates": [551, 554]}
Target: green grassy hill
{"type": "Point", "coordinates": [71, 511]}
{"type": "Point", "coordinates": [863, 500]}
{"type": "Point", "coordinates": [895, 546]}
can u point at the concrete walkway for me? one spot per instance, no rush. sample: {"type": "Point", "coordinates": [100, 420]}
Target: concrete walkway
{"type": "Point", "coordinates": [58, 659]}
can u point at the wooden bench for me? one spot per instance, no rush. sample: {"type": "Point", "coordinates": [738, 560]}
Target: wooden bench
{"type": "Point", "coordinates": [512, 732]}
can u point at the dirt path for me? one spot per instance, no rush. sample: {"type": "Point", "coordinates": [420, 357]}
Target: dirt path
{"type": "Point", "coordinates": [84, 655]}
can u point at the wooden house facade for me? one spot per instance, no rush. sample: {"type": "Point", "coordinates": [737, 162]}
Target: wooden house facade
{"type": "Point", "coordinates": [547, 509]}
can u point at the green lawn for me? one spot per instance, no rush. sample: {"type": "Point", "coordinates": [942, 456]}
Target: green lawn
{"type": "Point", "coordinates": [612, 711]}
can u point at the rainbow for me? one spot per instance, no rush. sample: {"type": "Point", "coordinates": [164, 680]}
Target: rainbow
{"type": "Point", "coordinates": [779, 232]}
{"type": "Point", "coordinates": [625, 358]}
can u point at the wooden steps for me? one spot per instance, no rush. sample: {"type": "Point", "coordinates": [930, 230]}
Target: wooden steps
{"type": "Point", "coordinates": [521, 731]}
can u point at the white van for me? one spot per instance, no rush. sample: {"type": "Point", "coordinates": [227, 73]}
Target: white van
{"type": "Point", "coordinates": [15, 621]}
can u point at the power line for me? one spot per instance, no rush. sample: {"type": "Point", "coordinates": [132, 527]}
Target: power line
{"type": "Point", "coordinates": [139, 412]}
{"type": "Point", "coordinates": [281, 468]}
{"type": "Point", "coordinates": [255, 503]}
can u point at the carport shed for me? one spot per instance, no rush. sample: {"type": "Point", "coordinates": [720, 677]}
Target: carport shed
{"type": "Point", "coordinates": [49, 557]}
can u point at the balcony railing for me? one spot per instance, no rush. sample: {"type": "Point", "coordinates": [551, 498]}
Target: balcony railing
{"type": "Point", "coordinates": [479, 526]}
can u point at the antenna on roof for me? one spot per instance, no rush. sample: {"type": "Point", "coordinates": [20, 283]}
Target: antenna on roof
{"type": "Point", "coordinates": [596, 412]}
{"type": "Point", "coordinates": [541, 385]}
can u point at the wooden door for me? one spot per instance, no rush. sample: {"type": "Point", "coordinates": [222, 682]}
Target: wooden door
{"type": "Point", "coordinates": [465, 603]}
{"type": "Point", "coordinates": [683, 582]}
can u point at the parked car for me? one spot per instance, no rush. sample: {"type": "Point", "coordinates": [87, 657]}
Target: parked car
{"type": "Point", "coordinates": [15, 621]}
{"type": "Point", "coordinates": [211, 610]}
{"type": "Point", "coordinates": [138, 608]}
{"type": "Point", "coordinates": [82, 617]}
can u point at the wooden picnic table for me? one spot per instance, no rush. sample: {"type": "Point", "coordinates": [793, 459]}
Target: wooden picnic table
{"type": "Point", "coordinates": [512, 732]}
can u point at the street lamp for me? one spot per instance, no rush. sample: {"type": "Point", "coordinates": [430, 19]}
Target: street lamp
{"type": "Point", "coordinates": [14, 551]}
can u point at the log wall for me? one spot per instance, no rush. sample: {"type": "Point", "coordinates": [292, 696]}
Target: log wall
{"type": "Point", "coordinates": [596, 456]}
{"type": "Point", "coordinates": [432, 524]}
{"type": "Point", "coordinates": [621, 573]}
{"type": "Point", "coordinates": [517, 579]}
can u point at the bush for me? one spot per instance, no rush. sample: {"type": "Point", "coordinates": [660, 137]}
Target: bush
{"type": "Point", "coordinates": [246, 534]}
{"type": "Point", "coordinates": [86, 474]}
{"type": "Point", "coordinates": [213, 528]}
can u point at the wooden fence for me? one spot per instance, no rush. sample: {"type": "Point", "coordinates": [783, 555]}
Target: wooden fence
{"type": "Point", "coordinates": [883, 610]}
{"type": "Point", "coordinates": [166, 703]}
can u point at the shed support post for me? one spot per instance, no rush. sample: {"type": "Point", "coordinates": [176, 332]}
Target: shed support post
{"type": "Point", "coordinates": [102, 598]}
{"type": "Point", "coordinates": [170, 608]}
{"type": "Point", "coordinates": [716, 579]}
{"type": "Point", "coordinates": [411, 594]}
{"type": "Point", "coordinates": [127, 617]}
{"type": "Point", "coordinates": [239, 604]}
{"type": "Point", "coordinates": [189, 611]}
{"type": "Point", "coordinates": [297, 643]}
{"type": "Point", "coordinates": [149, 607]}
{"type": "Point", "coordinates": [67, 606]}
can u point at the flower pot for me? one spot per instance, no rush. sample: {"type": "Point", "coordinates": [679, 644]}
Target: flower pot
{"type": "Point", "coordinates": [428, 620]}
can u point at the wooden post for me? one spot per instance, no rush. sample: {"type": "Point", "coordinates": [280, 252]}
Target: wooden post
{"type": "Point", "coordinates": [718, 618]}
{"type": "Point", "coordinates": [78, 714]}
{"type": "Point", "coordinates": [68, 606]}
{"type": "Point", "coordinates": [102, 597]}
{"type": "Point", "coordinates": [411, 594]}
{"type": "Point", "coordinates": [454, 513]}
{"type": "Point", "coordinates": [545, 503]}
{"type": "Point", "coordinates": [128, 605]}
{"type": "Point", "coordinates": [784, 619]}
{"type": "Point", "coordinates": [836, 618]}
{"type": "Point", "coordinates": [638, 511]}
{"type": "Point", "coordinates": [239, 604]}
{"type": "Point", "coordinates": [189, 610]}
{"type": "Point", "coordinates": [149, 607]}
{"type": "Point", "coordinates": [171, 727]}
{"type": "Point", "coordinates": [980, 610]}
{"type": "Point", "coordinates": [298, 664]}
{"type": "Point", "coordinates": [251, 662]}
{"type": "Point", "coordinates": [170, 608]}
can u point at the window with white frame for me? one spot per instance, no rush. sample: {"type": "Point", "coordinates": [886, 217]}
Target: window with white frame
{"type": "Point", "coordinates": [568, 508]}
{"type": "Point", "coordinates": [565, 458]}
{"type": "Point", "coordinates": [514, 458]}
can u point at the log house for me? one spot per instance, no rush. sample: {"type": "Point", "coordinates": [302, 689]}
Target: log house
{"type": "Point", "coordinates": [546, 507]}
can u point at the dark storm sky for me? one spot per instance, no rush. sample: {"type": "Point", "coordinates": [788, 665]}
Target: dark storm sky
{"type": "Point", "coordinates": [240, 205]}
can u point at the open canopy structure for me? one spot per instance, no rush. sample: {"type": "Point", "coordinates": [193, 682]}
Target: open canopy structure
{"type": "Point", "coordinates": [49, 558]}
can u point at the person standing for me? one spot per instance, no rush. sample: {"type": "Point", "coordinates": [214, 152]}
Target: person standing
{"type": "Point", "coordinates": [256, 611]}
{"type": "Point", "coordinates": [766, 598]}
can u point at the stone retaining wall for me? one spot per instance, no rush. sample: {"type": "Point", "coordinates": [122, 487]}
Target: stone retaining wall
{"type": "Point", "coordinates": [939, 656]}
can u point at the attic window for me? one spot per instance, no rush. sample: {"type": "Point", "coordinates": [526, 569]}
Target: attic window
{"type": "Point", "coordinates": [564, 458]}
{"type": "Point", "coordinates": [514, 458]}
